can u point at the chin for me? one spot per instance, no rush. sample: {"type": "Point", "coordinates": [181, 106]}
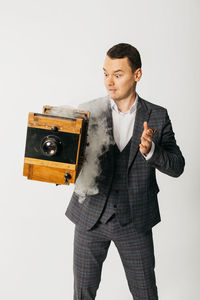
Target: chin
{"type": "Point", "coordinates": [114, 97]}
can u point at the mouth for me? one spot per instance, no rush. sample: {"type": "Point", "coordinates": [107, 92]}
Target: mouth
{"type": "Point", "coordinates": [112, 90]}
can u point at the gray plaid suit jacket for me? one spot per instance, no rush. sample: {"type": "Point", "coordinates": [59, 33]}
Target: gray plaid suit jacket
{"type": "Point", "coordinates": [142, 185]}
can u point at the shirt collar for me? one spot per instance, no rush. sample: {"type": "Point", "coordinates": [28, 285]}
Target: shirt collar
{"type": "Point", "coordinates": [131, 109]}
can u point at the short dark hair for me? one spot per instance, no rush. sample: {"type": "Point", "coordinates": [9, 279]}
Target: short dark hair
{"type": "Point", "coordinates": [126, 50]}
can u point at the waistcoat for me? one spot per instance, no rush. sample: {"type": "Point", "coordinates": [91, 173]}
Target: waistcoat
{"type": "Point", "coordinates": [117, 201]}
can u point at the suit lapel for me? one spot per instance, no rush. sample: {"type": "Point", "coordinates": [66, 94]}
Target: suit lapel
{"type": "Point", "coordinates": [109, 120]}
{"type": "Point", "coordinates": [142, 115]}
{"type": "Point", "coordinates": [110, 131]}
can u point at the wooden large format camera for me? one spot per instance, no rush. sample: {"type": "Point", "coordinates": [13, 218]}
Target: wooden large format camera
{"type": "Point", "coordinates": [55, 146]}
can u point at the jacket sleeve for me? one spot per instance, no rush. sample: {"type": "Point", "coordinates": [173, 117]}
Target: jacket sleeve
{"type": "Point", "coordinates": [167, 156]}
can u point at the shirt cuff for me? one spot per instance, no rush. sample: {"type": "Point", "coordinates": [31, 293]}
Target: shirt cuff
{"type": "Point", "coordinates": [149, 155]}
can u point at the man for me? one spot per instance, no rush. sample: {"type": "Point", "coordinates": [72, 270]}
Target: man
{"type": "Point", "coordinates": [126, 207]}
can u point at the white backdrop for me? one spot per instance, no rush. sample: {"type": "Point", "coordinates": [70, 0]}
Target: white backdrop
{"type": "Point", "coordinates": [52, 52]}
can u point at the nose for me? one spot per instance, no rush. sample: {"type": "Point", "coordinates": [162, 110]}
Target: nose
{"type": "Point", "coordinates": [110, 81]}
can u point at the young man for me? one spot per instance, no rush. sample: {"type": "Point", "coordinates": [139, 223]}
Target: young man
{"type": "Point", "coordinates": [126, 207]}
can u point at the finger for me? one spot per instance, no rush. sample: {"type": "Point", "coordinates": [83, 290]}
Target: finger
{"type": "Point", "coordinates": [145, 126]}
{"type": "Point", "coordinates": [149, 131]}
{"type": "Point", "coordinates": [145, 142]}
{"type": "Point", "coordinates": [145, 146]}
{"type": "Point", "coordinates": [143, 149]}
{"type": "Point", "coordinates": [147, 138]}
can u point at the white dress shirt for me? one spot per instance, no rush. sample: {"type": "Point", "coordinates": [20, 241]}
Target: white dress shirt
{"type": "Point", "coordinates": [123, 124]}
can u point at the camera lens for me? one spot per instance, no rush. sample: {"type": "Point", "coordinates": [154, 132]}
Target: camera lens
{"type": "Point", "coordinates": [50, 145]}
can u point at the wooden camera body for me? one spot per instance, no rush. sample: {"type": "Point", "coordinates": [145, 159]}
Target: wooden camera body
{"type": "Point", "coordinates": [55, 146]}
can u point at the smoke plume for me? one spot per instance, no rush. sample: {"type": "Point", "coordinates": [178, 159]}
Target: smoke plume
{"type": "Point", "coordinates": [99, 139]}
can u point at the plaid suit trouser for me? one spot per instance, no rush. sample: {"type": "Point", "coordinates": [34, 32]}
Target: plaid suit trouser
{"type": "Point", "coordinates": [136, 252]}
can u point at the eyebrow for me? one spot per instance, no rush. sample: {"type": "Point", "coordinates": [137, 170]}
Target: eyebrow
{"type": "Point", "coordinates": [115, 71]}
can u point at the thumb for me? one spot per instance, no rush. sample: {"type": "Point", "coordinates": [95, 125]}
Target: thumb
{"type": "Point", "coordinates": [146, 125]}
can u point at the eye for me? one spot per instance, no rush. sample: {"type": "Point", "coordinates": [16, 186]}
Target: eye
{"type": "Point", "coordinates": [105, 74]}
{"type": "Point", "coordinates": [117, 75]}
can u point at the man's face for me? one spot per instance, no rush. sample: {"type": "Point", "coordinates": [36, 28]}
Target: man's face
{"type": "Point", "coordinates": [119, 79]}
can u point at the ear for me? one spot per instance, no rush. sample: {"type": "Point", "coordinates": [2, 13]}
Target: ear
{"type": "Point", "coordinates": [138, 74]}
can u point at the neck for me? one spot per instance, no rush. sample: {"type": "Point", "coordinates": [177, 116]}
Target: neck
{"type": "Point", "coordinates": [125, 104]}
